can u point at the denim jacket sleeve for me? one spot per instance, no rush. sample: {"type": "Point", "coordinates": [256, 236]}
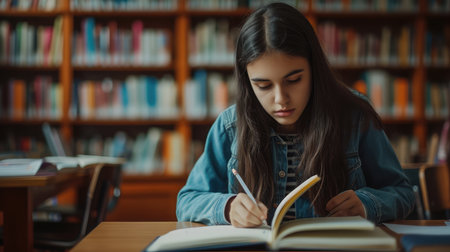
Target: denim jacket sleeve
{"type": "Point", "coordinates": [205, 194]}
{"type": "Point", "coordinates": [387, 194]}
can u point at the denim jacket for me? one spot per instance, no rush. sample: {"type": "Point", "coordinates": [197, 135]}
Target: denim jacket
{"type": "Point", "coordinates": [374, 174]}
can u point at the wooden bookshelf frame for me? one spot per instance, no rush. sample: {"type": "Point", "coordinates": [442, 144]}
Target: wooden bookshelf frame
{"type": "Point", "coordinates": [182, 18]}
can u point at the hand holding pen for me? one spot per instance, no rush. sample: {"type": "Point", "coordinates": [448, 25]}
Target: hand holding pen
{"type": "Point", "coordinates": [245, 211]}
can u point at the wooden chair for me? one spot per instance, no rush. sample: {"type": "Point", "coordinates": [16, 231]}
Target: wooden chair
{"type": "Point", "coordinates": [77, 221]}
{"type": "Point", "coordinates": [434, 185]}
{"type": "Point", "coordinates": [67, 233]}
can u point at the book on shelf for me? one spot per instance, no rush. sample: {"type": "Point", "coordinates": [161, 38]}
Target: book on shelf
{"type": "Point", "coordinates": [436, 100]}
{"type": "Point", "coordinates": [348, 233]}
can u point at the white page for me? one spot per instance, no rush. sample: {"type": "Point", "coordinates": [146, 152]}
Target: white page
{"type": "Point", "coordinates": [414, 229]}
{"type": "Point", "coordinates": [208, 236]}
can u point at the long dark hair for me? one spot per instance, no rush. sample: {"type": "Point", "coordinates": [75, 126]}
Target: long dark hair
{"type": "Point", "coordinates": [325, 124]}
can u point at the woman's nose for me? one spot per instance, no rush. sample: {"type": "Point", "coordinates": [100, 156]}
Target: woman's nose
{"type": "Point", "coordinates": [281, 95]}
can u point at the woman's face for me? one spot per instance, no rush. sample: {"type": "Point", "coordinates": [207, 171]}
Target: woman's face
{"type": "Point", "coordinates": [282, 84]}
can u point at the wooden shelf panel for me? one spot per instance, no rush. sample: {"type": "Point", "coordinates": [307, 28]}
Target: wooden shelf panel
{"type": "Point", "coordinates": [365, 15]}
{"type": "Point", "coordinates": [124, 122]}
{"type": "Point", "coordinates": [240, 12]}
{"type": "Point", "coordinates": [397, 121]}
{"type": "Point", "coordinates": [437, 68]}
{"type": "Point", "coordinates": [31, 13]}
{"type": "Point", "coordinates": [201, 122]}
{"type": "Point", "coordinates": [7, 67]}
{"type": "Point", "coordinates": [31, 122]}
{"type": "Point", "coordinates": [440, 15]}
{"type": "Point", "coordinates": [213, 67]}
{"type": "Point", "coordinates": [435, 120]}
{"type": "Point", "coordinates": [131, 13]}
{"type": "Point", "coordinates": [366, 67]}
{"type": "Point", "coordinates": [124, 68]}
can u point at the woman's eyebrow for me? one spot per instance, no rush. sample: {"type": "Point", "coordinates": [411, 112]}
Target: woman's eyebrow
{"type": "Point", "coordinates": [287, 75]}
{"type": "Point", "coordinates": [293, 72]}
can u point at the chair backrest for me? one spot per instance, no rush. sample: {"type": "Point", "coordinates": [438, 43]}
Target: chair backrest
{"type": "Point", "coordinates": [437, 179]}
{"type": "Point", "coordinates": [102, 192]}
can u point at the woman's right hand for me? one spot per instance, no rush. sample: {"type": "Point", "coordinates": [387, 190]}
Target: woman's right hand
{"type": "Point", "coordinates": [242, 211]}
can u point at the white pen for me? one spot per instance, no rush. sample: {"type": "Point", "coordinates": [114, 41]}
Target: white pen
{"type": "Point", "coordinates": [247, 191]}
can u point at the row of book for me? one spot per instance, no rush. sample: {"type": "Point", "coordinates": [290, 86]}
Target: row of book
{"type": "Point", "coordinates": [109, 44]}
{"type": "Point", "coordinates": [136, 97]}
{"type": "Point", "coordinates": [215, 5]}
{"type": "Point", "coordinates": [207, 94]}
{"type": "Point", "coordinates": [155, 151]}
{"type": "Point", "coordinates": [27, 44]}
{"type": "Point", "coordinates": [46, 5]}
{"type": "Point", "coordinates": [367, 5]}
{"type": "Point", "coordinates": [41, 98]}
{"type": "Point", "coordinates": [439, 5]}
{"type": "Point", "coordinates": [212, 43]}
{"type": "Point", "coordinates": [300, 4]}
{"type": "Point", "coordinates": [161, 151]}
{"type": "Point", "coordinates": [167, 5]}
{"type": "Point", "coordinates": [436, 99]}
{"type": "Point", "coordinates": [162, 5]}
{"type": "Point", "coordinates": [406, 147]}
{"type": "Point", "coordinates": [124, 5]}
{"type": "Point", "coordinates": [390, 95]}
{"type": "Point", "coordinates": [437, 47]}
{"type": "Point", "coordinates": [21, 145]}
{"type": "Point", "coordinates": [348, 46]}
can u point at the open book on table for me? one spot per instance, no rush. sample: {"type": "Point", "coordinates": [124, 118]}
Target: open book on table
{"type": "Point", "coordinates": [50, 165]}
{"type": "Point", "coordinates": [25, 167]}
{"type": "Point", "coordinates": [62, 162]}
{"type": "Point", "coordinates": [348, 233]}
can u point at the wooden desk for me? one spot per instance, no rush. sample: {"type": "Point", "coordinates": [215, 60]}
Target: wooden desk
{"type": "Point", "coordinates": [18, 197]}
{"type": "Point", "coordinates": [135, 236]}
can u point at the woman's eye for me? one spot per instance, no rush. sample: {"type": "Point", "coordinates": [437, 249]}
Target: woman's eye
{"type": "Point", "coordinates": [265, 87]}
{"type": "Point", "coordinates": [294, 80]}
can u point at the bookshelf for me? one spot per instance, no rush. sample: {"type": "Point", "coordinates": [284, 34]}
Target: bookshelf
{"type": "Point", "coordinates": [426, 65]}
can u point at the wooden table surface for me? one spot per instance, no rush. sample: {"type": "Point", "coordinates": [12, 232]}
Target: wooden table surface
{"type": "Point", "coordinates": [135, 236]}
{"type": "Point", "coordinates": [126, 236]}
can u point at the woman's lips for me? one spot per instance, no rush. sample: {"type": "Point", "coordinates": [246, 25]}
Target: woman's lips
{"type": "Point", "coordinates": [284, 113]}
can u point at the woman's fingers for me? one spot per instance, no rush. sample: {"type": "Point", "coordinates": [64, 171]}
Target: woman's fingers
{"type": "Point", "coordinates": [346, 203]}
{"type": "Point", "coordinates": [244, 212]}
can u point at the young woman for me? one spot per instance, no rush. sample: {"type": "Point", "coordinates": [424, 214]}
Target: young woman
{"type": "Point", "coordinates": [293, 119]}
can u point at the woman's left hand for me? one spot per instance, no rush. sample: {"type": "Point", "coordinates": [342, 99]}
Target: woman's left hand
{"type": "Point", "coordinates": [345, 203]}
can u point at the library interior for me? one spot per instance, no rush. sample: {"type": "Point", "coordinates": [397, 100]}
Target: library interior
{"type": "Point", "coordinates": [136, 85]}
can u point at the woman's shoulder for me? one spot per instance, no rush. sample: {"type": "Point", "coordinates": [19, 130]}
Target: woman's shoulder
{"type": "Point", "coordinates": [228, 116]}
